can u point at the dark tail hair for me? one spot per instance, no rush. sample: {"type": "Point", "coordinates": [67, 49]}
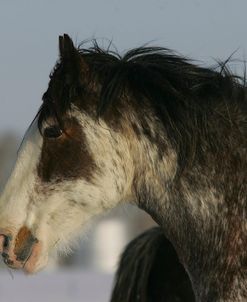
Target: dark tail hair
{"type": "Point", "coordinates": [150, 271]}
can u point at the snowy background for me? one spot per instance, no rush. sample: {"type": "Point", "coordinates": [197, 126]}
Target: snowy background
{"type": "Point", "coordinates": [29, 29]}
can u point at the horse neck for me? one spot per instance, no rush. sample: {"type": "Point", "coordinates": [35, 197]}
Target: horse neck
{"type": "Point", "coordinates": [204, 222]}
{"type": "Point", "coordinates": [211, 245]}
{"type": "Point", "coordinates": [217, 292]}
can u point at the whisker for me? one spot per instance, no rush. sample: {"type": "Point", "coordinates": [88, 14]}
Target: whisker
{"type": "Point", "coordinates": [8, 270]}
{"type": "Point", "coordinates": [29, 255]}
{"type": "Point", "coordinates": [10, 273]}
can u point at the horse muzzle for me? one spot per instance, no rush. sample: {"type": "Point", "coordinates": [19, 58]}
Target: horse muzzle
{"type": "Point", "coordinates": [20, 251]}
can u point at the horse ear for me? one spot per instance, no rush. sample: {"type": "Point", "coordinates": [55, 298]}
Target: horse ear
{"type": "Point", "coordinates": [66, 47]}
{"type": "Point", "coordinates": [70, 54]}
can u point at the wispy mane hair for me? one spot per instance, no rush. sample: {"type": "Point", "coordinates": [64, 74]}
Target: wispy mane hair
{"type": "Point", "coordinates": [180, 93]}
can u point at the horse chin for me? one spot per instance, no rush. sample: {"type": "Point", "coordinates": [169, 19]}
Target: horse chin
{"type": "Point", "coordinates": [37, 260]}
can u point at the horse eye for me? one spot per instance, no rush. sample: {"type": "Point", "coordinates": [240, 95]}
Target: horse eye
{"type": "Point", "coordinates": [52, 132]}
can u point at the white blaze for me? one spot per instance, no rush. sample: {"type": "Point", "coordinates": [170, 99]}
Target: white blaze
{"type": "Point", "coordinates": [16, 194]}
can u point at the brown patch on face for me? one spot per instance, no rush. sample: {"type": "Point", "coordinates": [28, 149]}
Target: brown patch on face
{"type": "Point", "coordinates": [23, 244]}
{"type": "Point", "coordinates": [66, 157]}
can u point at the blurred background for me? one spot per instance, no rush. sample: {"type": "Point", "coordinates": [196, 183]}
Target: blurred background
{"type": "Point", "coordinates": [203, 30]}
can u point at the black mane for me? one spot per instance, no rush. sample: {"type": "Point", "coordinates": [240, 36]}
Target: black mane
{"type": "Point", "coordinates": [177, 90]}
{"type": "Point", "coordinates": [165, 78]}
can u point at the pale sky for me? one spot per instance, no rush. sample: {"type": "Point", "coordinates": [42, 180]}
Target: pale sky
{"type": "Point", "coordinates": [29, 29]}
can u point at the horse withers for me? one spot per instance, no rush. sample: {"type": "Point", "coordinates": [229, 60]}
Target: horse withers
{"type": "Point", "coordinates": [149, 128]}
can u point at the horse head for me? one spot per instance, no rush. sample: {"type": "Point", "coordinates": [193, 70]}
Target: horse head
{"type": "Point", "coordinates": [71, 166]}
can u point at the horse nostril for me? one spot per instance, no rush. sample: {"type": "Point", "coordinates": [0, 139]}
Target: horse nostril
{"type": "Point", "coordinates": [5, 255]}
{"type": "Point", "coordinates": [6, 241]}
